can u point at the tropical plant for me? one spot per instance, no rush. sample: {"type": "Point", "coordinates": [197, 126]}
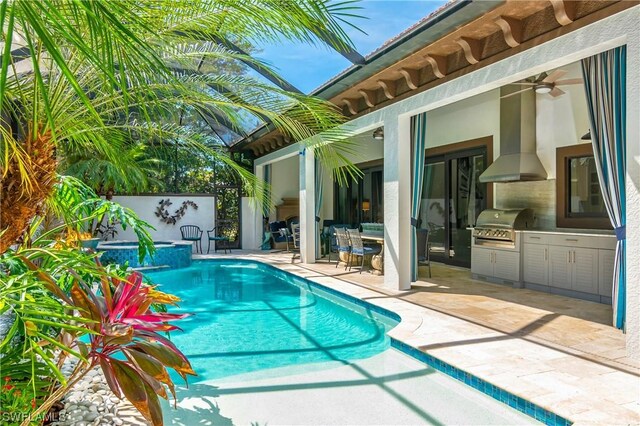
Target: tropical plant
{"type": "Point", "coordinates": [120, 322]}
{"type": "Point", "coordinates": [101, 74]}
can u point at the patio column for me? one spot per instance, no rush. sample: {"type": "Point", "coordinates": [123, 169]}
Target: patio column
{"type": "Point", "coordinates": [307, 206]}
{"type": "Point", "coordinates": [632, 325]}
{"type": "Point", "coordinates": [397, 202]}
{"type": "Point", "coordinates": [256, 228]}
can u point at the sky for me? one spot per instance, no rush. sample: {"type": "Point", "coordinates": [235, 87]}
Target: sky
{"type": "Point", "coordinates": [307, 67]}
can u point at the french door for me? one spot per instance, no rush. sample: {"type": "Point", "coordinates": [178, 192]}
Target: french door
{"type": "Point", "coordinates": [452, 199]}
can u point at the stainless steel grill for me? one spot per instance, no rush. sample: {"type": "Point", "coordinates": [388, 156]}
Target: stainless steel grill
{"type": "Point", "coordinates": [498, 228]}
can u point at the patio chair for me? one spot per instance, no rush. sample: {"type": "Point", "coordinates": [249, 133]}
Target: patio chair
{"type": "Point", "coordinates": [332, 240]}
{"type": "Point", "coordinates": [424, 248]}
{"type": "Point", "coordinates": [342, 239]}
{"type": "Point", "coordinates": [192, 233]}
{"type": "Point", "coordinates": [217, 237]}
{"type": "Point", "coordinates": [358, 248]}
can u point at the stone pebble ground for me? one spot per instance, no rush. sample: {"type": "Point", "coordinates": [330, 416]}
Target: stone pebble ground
{"type": "Point", "coordinates": [91, 403]}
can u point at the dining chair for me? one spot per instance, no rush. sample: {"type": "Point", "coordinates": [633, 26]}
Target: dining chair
{"type": "Point", "coordinates": [295, 234]}
{"type": "Point", "coordinates": [358, 248]}
{"type": "Point", "coordinates": [215, 237]}
{"type": "Point", "coordinates": [342, 239]}
{"type": "Point", "coordinates": [192, 233]}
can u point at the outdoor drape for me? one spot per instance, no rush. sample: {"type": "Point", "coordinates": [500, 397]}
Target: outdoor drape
{"type": "Point", "coordinates": [418, 133]}
{"type": "Point", "coordinates": [318, 174]}
{"type": "Point", "coordinates": [605, 85]}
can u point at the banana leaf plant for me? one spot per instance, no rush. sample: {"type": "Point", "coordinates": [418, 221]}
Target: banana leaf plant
{"type": "Point", "coordinates": [123, 324]}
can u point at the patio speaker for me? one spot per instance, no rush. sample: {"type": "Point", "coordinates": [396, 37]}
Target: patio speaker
{"type": "Point", "coordinates": [378, 134]}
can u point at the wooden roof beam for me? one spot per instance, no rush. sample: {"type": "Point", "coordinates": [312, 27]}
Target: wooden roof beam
{"type": "Point", "coordinates": [565, 11]}
{"type": "Point", "coordinates": [369, 97]}
{"type": "Point", "coordinates": [388, 87]}
{"type": "Point", "coordinates": [438, 64]}
{"type": "Point", "coordinates": [411, 76]}
{"type": "Point", "coordinates": [511, 30]}
{"type": "Point", "coordinates": [350, 103]}
{"type": "Point", "coordinates": [471, 48]}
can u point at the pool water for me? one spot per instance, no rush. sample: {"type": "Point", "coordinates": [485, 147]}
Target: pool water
{"type": "Point", "coordinates": [271, 348]}
{"type": "Point", "coordinates": [249, 317]}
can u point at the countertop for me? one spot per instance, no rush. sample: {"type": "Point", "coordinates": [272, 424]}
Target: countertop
{"type": "Point", "coordinates": [578, 232]}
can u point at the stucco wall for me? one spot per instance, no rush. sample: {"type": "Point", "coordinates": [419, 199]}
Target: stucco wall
{"type": "Point", "coordinates": [145, 207]}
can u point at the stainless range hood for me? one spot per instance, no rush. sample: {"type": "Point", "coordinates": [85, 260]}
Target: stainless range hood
{"type": "Point", "coordinates": [518, 160]}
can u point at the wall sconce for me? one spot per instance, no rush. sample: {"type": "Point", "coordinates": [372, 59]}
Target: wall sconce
{"type": "Point", "coordinates": [378, 134]}
{"type": "Point", "coordinates": [366, 205]}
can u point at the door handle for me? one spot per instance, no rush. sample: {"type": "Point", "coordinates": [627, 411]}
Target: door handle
{"type": "Point", "coordinates": [574, 256]}
{"type": "Point", "coordinates": [546, 256]}
{"type": "Point", "coordinates": [569, 257]}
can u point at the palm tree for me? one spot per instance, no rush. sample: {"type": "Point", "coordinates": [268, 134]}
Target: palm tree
{"type": "Point", "coordinates": [92, 76]}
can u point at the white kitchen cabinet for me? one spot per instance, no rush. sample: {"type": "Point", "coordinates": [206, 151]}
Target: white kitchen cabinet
{"type": "Point", "coordinates": [560, 267]}
{"type": "Point", "coordinates": [606, 260]}
{"type": "Point", "coordinates": [506, 265]}
{"type": "Point", "coordinates": [502, 264]}
{"type": "Point", "coordinates": [535, 263]}
{"type": "Point", "coordinates": [584, 270]}
{"type": "Point", "coordinates": [482, 261]}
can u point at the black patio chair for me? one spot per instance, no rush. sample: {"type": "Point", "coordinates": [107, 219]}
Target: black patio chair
{"type": "Point", "coordinates": [192, 233]}
{"type": "Point", "coordinates": [217, 237]}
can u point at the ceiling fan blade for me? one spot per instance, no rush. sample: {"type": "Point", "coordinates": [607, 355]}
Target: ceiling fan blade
{"type": "Point", "coordinates": [555, 92]}
{"type": "Point", "coordinates": [554, 76]}
{"type": "Point", "coordinates": [569, 81]}
{"type": "Point", "coordinates": [526, 83]}
{"type": "Point", "coordinates": [540, 78]}
{"type": "Point", "coordinates": [515, 93]}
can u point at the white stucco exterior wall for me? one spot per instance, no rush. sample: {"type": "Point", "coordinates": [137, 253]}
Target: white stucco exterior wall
{"type": "Point", "coordinates": [145, 207]}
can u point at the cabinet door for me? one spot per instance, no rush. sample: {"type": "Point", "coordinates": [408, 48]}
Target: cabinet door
{"type": "Point", "coordinates": [585, 270]}
{"type": "Point", "coordinates": [506, 265]}
{"type": "Point", "coordinates": [605, 272]}
{"type": "Point", "coordinates": [559, 267]}
{"type": "Point", "coordinates": [482, 261]}
{"type": "Point", "coordinates": [535, 262]}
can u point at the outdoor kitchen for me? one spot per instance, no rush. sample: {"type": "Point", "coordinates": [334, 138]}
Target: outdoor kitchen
{"type": "Point", "coordinates": [548, 231]}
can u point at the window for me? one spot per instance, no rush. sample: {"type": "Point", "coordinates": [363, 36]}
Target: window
{"type": "Point", "coordinates": [579, 199]}
{"type": "Point", "coordinates": [361, 201]}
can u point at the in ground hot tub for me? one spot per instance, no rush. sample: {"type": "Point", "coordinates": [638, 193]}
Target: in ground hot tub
{"type": "Point", "coordinates": [175, 254]}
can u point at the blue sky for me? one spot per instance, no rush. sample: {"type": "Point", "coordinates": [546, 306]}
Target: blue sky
{"type": "Point", "coordinates": [307, 67]}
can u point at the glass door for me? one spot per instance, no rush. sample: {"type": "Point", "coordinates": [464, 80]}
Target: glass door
{"type": "Point", "coordinates": [452, 199]}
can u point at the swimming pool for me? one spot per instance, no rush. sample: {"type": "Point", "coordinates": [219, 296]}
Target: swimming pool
{"type": "Point", "coordinates": [270, 347]}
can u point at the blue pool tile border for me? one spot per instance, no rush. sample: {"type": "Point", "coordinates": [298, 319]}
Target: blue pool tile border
{"type": "Point", "coordinates": [527, 407]}
{"type": "Point", "coordinates": [518, 403]}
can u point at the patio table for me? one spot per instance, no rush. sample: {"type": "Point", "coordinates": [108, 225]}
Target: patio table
{"type": "Point", "coordinates": [377, 260]}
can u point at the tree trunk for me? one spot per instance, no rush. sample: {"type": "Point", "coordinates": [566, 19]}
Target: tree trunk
{"type": "Point", "coordinates": [26, 185]}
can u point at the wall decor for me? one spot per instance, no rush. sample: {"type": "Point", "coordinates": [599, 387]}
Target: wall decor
{"type": "Point", "coordinates": [171, 219]}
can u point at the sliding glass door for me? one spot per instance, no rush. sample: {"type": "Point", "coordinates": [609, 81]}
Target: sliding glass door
{"type": "Point", "coordinates": [452, 199]}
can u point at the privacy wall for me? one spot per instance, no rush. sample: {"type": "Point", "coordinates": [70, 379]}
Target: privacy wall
{"type": "Point", "coordinates": [146, 206]}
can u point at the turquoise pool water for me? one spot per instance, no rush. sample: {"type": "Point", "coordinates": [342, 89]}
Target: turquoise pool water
{"type": "Point", "coordinates": [250, 317]}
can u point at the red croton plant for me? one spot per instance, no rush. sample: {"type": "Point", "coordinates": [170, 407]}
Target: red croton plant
{"type": "Point", "coordinates": [123, 323]}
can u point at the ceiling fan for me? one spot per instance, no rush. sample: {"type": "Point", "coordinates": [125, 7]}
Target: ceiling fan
{"type": "Point", "coordinates": [546, 83]}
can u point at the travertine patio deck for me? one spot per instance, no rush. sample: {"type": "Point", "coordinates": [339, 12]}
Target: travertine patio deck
{"type": "Point", "coordinates": [557, 352]}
